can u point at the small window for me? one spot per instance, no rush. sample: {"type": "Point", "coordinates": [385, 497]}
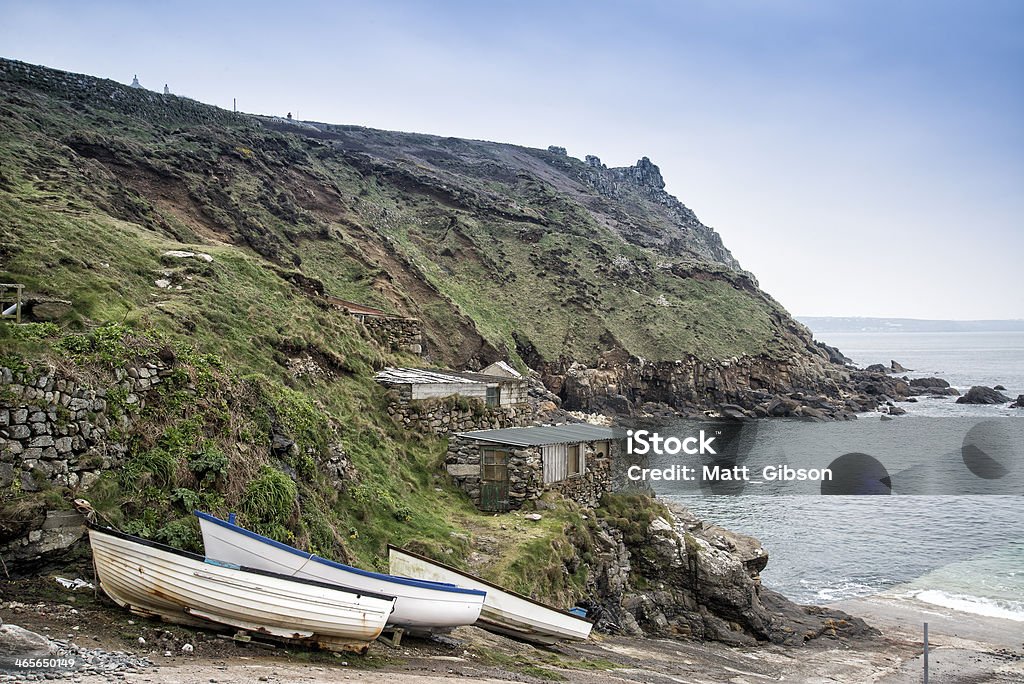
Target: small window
{"type": "Point", "coordinates": [574, 464]}
{"type": "Point", "coordinates": [494, 396]}
{"type": "Point", "coordinates": [601, 449]}
{"type": "Point", "coordinates": [494, 465]}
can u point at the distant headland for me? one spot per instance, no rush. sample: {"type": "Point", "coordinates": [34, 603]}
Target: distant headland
{"type": "Point", "coordinates": [832, 324]}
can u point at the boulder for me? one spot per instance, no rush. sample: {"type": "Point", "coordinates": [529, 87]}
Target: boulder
{"type": "Point", "coordinates": [999, 388]}
{"type": "Point", "coordinates": [897, 411]}
{"type": "Point", "coordinates": [781, 406]}
{"type": "Point", "coordinates": [834, 355]}
{"type": "Point", "coordinates": [980, 394]}
{"type": "Point", "coordinates": [876, 368]}
{"type": "Point", "coordinates": [1019, 403]}
{"type": "Point", "coordinates": [733, 412]}
{"type": "Point", "coordinates": [928, 382]}
{"type": "Point", "coordinates": [897, 367]}
{"type": "Point", "coordinates": [47, 309]}
{"type": "Point", "coordinates": [18, 642]}
{"type": "Point", "coordinates": [813, 413]}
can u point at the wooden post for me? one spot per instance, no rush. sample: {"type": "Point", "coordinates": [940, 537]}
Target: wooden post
{"type": "Point", "coordinates": [16, 288]}
{"type": "Point", "coordinates": [926, 653]}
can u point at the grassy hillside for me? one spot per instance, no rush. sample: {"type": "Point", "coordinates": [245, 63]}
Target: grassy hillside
{"type": "Point", "coordinates": [499, 249]}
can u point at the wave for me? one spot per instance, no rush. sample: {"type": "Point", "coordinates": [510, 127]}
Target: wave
{"type": "Point", "coordinates": [979, 605]}
{"type": "Point", "coordinates": [837, 590]}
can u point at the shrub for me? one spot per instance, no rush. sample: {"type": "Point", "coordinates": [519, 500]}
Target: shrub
{"type": "Point", "coordinates": [269, 500]}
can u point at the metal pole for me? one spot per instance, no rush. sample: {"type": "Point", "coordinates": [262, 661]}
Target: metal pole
{"type": "Point", "coordinates": [926, 653]}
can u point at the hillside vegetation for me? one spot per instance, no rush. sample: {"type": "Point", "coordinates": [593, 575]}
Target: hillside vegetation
{"type": "Point", "coordinates": [502, 251]}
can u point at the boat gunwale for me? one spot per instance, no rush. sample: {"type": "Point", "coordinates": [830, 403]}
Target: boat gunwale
{"type": "Point", "coordinates": [489, 584]}
{"type": "Point", "coordinates": [358, 593]}
{"type": "Point", "coordinates": [407, 581]}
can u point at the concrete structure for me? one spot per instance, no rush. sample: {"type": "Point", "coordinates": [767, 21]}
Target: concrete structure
{"type": "Point", "coordinates": [502, 469]}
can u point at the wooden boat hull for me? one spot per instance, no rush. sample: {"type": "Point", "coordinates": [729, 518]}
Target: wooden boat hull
{"type": "Point", "coordinates": [155, 580]}
{"type": "Point", "coordinates": [504, 612]}
{"type": "Point", "coordinates": [420, 606]}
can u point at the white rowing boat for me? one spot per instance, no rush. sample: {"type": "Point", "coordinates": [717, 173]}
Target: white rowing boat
{"type": "Point", "coordinates": [154, 580]}
{"type": "Point", "coordinates": [504, 612]}
{"type": "Point", "coordinates": [421, 606]}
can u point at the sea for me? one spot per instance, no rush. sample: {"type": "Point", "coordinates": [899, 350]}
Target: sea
{"type": "Point", "coordinates": [949, 529]}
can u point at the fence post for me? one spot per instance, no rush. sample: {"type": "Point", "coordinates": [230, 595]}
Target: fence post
{"type": "Point", "coordinates": [926, 653]}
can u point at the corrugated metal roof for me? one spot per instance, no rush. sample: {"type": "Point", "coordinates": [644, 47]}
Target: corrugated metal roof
{"type": "Point", "coordinates": [426, 376]}
{"type": "Point", "coordinates": [544, 434]}
{"type": "Point", "coordinates": [420, 376]}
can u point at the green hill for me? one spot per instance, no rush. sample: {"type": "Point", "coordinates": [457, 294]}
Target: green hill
{"type": "Point", "coordinates": [502, 252]}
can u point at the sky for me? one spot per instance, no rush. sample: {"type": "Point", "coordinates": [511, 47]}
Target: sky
{"type": "Point", "coordinates": [861, 158]}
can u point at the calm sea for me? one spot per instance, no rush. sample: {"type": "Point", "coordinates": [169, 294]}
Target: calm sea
{"type": "Point", "coordinates": [945, 536]}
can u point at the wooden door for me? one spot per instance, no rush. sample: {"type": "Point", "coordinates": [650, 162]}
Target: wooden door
{"type": "Point", "coordinates": [494, 480]}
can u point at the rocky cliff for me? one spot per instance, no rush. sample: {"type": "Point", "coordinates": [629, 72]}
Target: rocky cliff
{"type": "Point", "coordinates": [502, 251]}
{"type": "Point", "coordinates": [182, 351]}
{"type": "Point", "coordinates": [661, 571]}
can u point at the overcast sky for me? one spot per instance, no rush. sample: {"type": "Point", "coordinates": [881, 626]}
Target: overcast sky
{"type": "Point", "coordinates": [861, 158]}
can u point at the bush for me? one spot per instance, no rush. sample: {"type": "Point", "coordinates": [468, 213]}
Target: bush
{"type": "Point", "coordinates": [208, 464]}
{"type": "Point", "coordinates": [269, 501]}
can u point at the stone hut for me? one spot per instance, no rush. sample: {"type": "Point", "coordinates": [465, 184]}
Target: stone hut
{"type": "Point", "coordinates": [446, 401]}
{"type": "Point", "coordinates": [502, 469]}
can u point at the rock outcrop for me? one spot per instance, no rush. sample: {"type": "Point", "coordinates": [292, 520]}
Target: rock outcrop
{"type": "Point", "coordinates": [751, 386]}
{"type": "Point", "coordinates": [933, 387]}
{"type": "Point", "coordinates": [677, 576]}
{"type": "Point", "coordinates": [980, 394]}
{"type": "Point", "coordinates": [688, 237]}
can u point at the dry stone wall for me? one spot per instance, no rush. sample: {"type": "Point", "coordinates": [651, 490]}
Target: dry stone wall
{"type": "Point", "coordinates": [586, 489]}
{"type": "Point", "coordinates": [526, 474]}
{"type": "Point", "coordinates": [56, 431]}
{"type": "Point", "coordinates": [396, 333]}
{"type": "Point", "coordinates": [453, 414]}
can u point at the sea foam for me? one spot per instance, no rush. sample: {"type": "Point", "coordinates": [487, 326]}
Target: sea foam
{"type": "Point", "coordinates": [965, 603]}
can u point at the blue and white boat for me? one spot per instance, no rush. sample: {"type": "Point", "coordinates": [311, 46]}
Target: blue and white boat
{"type": "Point", "coordinates": [421, 605]}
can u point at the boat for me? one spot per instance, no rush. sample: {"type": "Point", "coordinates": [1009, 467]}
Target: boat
{"type": "Point", "coordinates": [154, 580]}
{"type": "Point", "coordinates": [504, 612]}
{"type": "Point", "coordinates": [421, 606]}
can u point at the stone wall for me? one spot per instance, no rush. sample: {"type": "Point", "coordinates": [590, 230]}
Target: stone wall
{"type": "Point", "coordinates": [526, 473]}
{"type": "Point", "coordinates": [396, 333]}
{"type": "Point", "coordinates": [452, 414]}
{"type": "Point", "coordinates": [56, 431]}
{"type": "Point", "coordinates": [587, 489]}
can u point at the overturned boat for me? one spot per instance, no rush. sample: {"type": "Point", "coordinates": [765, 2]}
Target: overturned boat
{"type": "Point", "coordinates": [154, 580]}
{"type": "Point", "coordinates": [504, 611]}
{"type": "Point", "coordinates": [421, 606]}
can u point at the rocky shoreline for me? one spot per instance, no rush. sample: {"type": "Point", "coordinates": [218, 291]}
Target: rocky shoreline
{"type": "Point", "coordinates": [743, 388]}
{"type": "Point", "coordinates": [963, 649]}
